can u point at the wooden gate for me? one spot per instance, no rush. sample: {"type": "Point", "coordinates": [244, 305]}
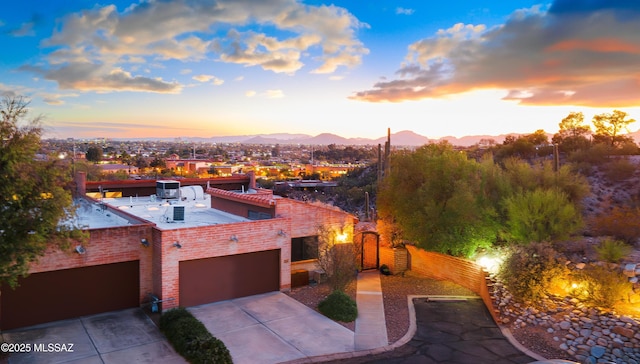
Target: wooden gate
{"type": "Point", "coordinates": [370, 254]}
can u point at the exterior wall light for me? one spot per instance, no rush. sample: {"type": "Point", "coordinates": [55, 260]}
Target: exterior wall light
{"type": "Point", "coordinates": [233, 238]}
{"type": "Point", "coordinates": [282, 233]}
{"type": "Point", "coordinates": [144, 242]}
{"type": "Point", "coordinates": [80, 249]}
{"type": "Point", "coordinates": [177, 245]}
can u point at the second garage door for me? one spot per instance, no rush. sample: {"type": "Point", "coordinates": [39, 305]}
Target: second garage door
{"type": "Point", "coordinates": [223, 278]}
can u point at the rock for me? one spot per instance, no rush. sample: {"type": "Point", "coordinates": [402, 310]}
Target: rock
{"type": "Point", "coordinates": [585, 332]}
{"type": "Point", "coordinates": [586, 320]}
{"type": "Point", "coordinates": [628, 320]}
{"type": "Point", "coordinates": [598, 351]}
{"type": "Point", "coordinates": [581, 265]}
{"type": "Point", "coordinates": [565, 325]}
{"type": "Point", "coordinates": [623, 331]}
{"type": "Point", "coordinates": [564, 346]}
{"type": "Point", "coordinates": [633, 280]}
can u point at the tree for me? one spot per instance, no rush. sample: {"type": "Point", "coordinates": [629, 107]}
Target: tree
{"type": "Point", "coordinates": [439, 199]}
{"type": "Point", "coordinates": [35, 209]}
{"type": "Point", "coordinates": [609, 126]}
{"type": "Point", "coordinates": [94, 154]}
{"type": "Point", "coordinates": [572, 134]}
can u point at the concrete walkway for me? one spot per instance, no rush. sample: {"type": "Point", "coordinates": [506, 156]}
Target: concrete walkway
{"type": "Point", "coordinates": [371, 327]}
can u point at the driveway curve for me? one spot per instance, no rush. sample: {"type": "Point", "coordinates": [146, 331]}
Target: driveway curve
{"type": "Point", "coordinates": [451, 331]}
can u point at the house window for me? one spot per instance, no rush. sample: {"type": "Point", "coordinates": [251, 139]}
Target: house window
{"type": "Point", "coordinates": [255, 215]}
{"type": "Point", "coordinates": [304, 248]}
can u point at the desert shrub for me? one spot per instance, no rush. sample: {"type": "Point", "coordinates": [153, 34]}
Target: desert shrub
{"type": "Point", "coordinates": [541, 215]}
{"type": "Point", "coordinates": [619, 169]}
{"type": "Point", "coordinates": [622, 222]}
{"type": "Point", "coordinates": [611, 250]}
{"type": "Point", "coordinates": [337, 258]}
{"type": "Point", "coordinates": [604, 286]}
{"type": "Point", "coordinates": [191, 339]}
{"type": "Point", "coordinates": [530, 271]}
{"type": "Point", "coordinates": [339, 306]}
{"type": "Point", "coordinates": [595, 155]}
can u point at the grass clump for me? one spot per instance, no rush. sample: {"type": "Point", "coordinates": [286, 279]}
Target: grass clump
{"type": "Point", "coordinates": [191, 339]}
{"type": "Point", "coordinates": [612, 251]}
{"type": "Point", "coordinates": [339, 306]}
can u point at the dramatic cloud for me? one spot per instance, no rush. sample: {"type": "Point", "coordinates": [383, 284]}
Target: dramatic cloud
{"type": "Point", "coordinates": [576, 53]}
{"type": "Point", "coordinates": [109, 41]}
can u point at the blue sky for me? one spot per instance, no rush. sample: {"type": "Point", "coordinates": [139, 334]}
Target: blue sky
{"type": "Point", "coordinates": [353, 68]}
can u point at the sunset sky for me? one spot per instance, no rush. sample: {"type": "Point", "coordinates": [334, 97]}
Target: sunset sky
{"type": "Point", "coordinates": [354, 68]}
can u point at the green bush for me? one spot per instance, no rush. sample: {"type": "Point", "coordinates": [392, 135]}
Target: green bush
{"type": "Point", "coordinates": [339, 306]}
{"type": "Point", "coordinates": [530, 271]}
{"type": "Point", "coordinates": [619, 169]}
{"type": "Point", "coordinates": [604, 287]}
{"type": "Point", "coordinates": [612, 251]}
{"type": "Point", "coordinates": [191, 339]}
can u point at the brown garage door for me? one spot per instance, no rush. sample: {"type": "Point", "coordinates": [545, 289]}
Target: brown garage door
{"type": "Point", "coordinates": [68, 293]}
{"type": "Point", "coordinates": [223, 278]}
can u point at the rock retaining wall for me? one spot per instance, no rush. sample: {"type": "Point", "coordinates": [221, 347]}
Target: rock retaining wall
{"type": "Point", "coordinates": [589, 335]}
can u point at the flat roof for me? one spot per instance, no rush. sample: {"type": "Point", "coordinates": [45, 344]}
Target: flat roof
{"type": "Point", "coordinates": [197, 212]}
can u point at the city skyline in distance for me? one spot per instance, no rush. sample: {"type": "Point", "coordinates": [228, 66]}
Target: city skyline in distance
{"type": "Point", "coordinates": [161, 69]}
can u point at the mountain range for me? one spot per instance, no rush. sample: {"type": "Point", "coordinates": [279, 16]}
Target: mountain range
{"type": "Point", "coordinates": [401, 138]}
{"type": "Point", "coordinates": [404, 138]}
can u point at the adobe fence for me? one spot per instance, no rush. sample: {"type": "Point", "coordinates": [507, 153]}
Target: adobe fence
{"type": "Point", "coordinates": [443, 267]}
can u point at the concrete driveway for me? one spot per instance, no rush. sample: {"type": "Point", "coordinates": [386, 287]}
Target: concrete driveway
{"type": "Point", "coordinates": [127, 336]}
{"type": "Point", "coordinates": [273, 328]}
{"type": "Point", "coordinates": [262, 329]}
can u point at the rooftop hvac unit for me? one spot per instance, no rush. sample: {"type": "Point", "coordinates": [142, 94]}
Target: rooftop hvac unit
{"type": "Point", "coordinates": [167, 189]}
{"type": "Point", "coordinates": [174, 214]}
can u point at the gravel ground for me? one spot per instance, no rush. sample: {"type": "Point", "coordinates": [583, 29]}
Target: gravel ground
{"type": "Point", "coordinates": [395, 290]}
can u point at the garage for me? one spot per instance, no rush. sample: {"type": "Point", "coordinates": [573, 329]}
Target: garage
{"type": "Point", "coordinates": [223, 278]}
{"type": "Point", "coordinates": [68, 293]}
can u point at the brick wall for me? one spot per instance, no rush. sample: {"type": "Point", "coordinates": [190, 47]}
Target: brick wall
{"type": "Point", "coordinates": [397, 259]}
{"type": "Point", "coordinates": [307, 217]}
{"type": "Point", "coordinates": [461, 271]}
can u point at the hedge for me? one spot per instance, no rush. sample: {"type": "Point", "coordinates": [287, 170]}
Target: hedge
{"type": "Point", "coordinates": [191, 339]}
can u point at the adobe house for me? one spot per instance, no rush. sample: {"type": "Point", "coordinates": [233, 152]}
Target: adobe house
{"type": "Point", "coordinates": [181, 246]}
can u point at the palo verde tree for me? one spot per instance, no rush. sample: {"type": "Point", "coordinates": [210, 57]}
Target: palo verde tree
{"type": "Point", "coordinates": [545, 204]}
{"type": "Point", "coordinates": [34, 202]}
{"type": "Point", "coordinates": [573, 133]}
{"type": "Point", "coordinates": [610, 126]}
